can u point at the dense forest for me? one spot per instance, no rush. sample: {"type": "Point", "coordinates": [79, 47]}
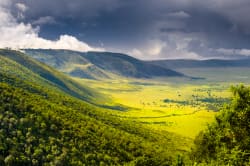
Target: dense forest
{"type": "Point", "coordinates": [49, 129]}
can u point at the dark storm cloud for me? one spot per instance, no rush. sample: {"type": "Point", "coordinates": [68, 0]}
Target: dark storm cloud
{"type": "Point", "coordinates": [68, 9]}
{"type": "Point", "coordinates": [171, 27]}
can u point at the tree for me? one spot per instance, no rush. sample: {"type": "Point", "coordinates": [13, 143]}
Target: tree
{"type": "Point", "coordinates": [227, 140]}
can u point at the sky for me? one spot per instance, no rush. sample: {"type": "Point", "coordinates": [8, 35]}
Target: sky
{"type": "Point", "coordinates": [145, 29]}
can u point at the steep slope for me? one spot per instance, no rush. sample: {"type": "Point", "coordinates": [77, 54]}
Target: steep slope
{"type": "Point", "coordinates": [219, 63]}
{"type": "Point", "coordinates": [98, 65]}
{"type": "Point", "coordinates": [127, 66]}
{"type": "Point", "coordinates": [45, 128]}
{"type": "Point", "coordinates": [44, 124]}
{"type": "Point", "coordinates": [26, 68]}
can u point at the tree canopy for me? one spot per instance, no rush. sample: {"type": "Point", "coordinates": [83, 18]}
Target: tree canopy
{"type": "Point", "coordinates": [227, 140]}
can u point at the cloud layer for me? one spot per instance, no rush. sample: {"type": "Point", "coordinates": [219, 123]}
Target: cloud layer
{"type": "Point", "coordinates": [152, 29]}
{"type": "Point", "coordinates": [19, 35]}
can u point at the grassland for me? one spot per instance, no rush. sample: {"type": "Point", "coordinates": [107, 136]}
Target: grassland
{"type": "Point", "coordinates": [180, 105]}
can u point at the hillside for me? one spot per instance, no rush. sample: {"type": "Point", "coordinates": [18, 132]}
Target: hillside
{"type": "Point", "coordinates": [38, 129]}
{"type": "Point", "coordinates": [20, 65]}
{"type": "Point", "coordinates": [212, 63]}
{"type": "Point", "coordinates": [97, 65]}
{"type": "Point", "coordinates": [43, 123]}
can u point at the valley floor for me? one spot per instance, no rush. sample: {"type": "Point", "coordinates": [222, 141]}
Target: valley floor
{"type": "Point", "coordinates": [180, 105]}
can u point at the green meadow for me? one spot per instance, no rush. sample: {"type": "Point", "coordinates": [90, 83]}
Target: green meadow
{"type": "Point", "coordinates": [183, 106]}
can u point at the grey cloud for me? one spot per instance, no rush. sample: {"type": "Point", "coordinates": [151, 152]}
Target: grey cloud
{"type": "Point", "coordinates": [179, 14]}
{"type": "Point", "coordinates": [44, 20]}
{"type": "Point", "coordinates": [66, 8]}
{"type": "Point", "coordinates": [235, 11]}
{"type": "Point", "coordinates": [132, 24]}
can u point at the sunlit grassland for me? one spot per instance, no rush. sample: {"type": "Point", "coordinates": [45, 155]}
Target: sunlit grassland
{"type": "Point", "coordinates": [180, 105]}
{"type": "Point", "coordinates": [146, 103]}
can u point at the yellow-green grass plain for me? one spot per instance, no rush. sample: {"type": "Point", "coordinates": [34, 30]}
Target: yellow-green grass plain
{"type": "Point", "coordinates": [145, 103]}
{"type": "Point", "coordinates": [180, 105]}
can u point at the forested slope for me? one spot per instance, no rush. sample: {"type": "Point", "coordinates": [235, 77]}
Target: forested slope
{"type": "Point", "coordinates": [42, 124]}
{"type": "Point", "coordinates": [36, 131]}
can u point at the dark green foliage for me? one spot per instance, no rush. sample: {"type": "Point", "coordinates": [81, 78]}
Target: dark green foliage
{"type": "Point", "coordinates": [211, 103]}
{"type": "Point", "coordinates": [227, 140]}
{"type": "Point", "coordinates": [175, 101]}
{"type": "Point", "coordinates": [212, 100]}
{"type": "Point", "coordinates": [60, 131]}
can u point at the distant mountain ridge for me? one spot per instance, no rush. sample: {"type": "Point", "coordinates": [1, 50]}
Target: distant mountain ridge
{"type": "Point", "coordinates": [186, 63]}
{"type": "Point", "coordinates": [95, 65]}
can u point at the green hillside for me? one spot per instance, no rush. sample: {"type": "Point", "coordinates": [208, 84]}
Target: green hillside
{"type": "Point", "coordinates": [37, 131]}
{"type": "Point", "coordinates": [21, 65]}
{"type": "Point", "coordinates": [98, 65]}
{"type": "Point", "coordinates": [43, 123]}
